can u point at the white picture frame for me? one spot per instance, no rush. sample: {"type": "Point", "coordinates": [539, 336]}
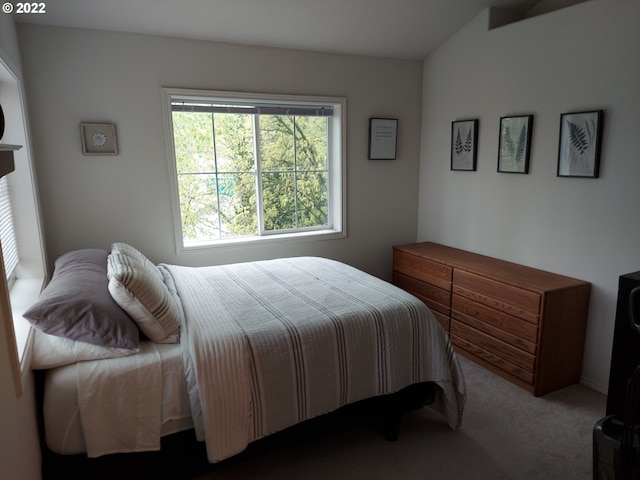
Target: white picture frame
{"type": "Point", "coordinates": [98, 139]}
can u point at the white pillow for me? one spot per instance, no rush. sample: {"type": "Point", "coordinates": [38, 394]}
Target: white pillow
{"type": "Point", "coordinates": [50, 351]}
{"type": "Point", "coordinates": [144, 297]}
{"type": "Point", "coordinates": [134, 253]}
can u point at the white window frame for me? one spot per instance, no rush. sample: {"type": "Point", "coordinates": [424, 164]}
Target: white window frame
{"type": "Point", "coordinates": [336, 167]}
{"type": "Point", "coordinates": [30, 273]}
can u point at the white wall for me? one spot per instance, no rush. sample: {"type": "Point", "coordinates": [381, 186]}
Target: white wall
{"type": "Point", "coordinates": [580, 58]}
{"type": "Point", "coordinates": [9, 42]}
{"type": "Point", "coordinates": [19, 447]}
{"type": "Point", "coordinates": [75, 75]}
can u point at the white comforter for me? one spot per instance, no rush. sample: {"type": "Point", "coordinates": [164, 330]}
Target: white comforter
{"type": "Point", "coordinates": [270, 344]}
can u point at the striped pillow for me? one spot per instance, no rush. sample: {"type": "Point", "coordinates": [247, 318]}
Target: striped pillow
{"type": "Point", "coordinates": [134, 253]}
{"type": "Point", "coordinates": [146, 299]}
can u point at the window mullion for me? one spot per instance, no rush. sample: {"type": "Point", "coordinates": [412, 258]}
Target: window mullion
{"type": "Point", "coordinates": [215, 163]}
{"type": "Point", "coordinates": [330, 169]}
{"type": "Point", "coordinates": [258, 173]}
{"type": "Point", "coordinates": [295, 174]}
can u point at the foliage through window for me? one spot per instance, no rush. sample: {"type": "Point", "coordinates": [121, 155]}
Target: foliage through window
{"type": "Point", "coordinates": [255, 166]}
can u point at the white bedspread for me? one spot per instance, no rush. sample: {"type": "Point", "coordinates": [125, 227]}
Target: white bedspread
{"type": "Point", "coordinates": [270, 344]}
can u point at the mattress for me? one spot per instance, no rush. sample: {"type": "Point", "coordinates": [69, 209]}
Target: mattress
{"type": "Point", "coordinates": [62, 422]}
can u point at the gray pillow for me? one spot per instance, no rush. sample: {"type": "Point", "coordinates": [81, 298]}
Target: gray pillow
{"type": "Point", "coordinates": [76, 304]}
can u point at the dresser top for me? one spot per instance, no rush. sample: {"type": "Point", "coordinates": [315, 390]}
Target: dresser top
{"type": "Point", "coordinates": [507, 272]}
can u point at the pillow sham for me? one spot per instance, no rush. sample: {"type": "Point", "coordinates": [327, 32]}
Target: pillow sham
{"type": "Point", "coordinates": [146, 299]}
{"type": "Point", "coordinates": [50, 351]}
{"type": "Point", "coordinates": [132, 252]}
{"type": "Point", "coordinates": [76, 304]}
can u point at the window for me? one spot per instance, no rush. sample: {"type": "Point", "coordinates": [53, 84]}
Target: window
{"type": "Point", "coordinates": [7, 233]}
{"type": "Point", "coordinates": [20, 231]}
{"type": "Point", "coordinates": [251, 167]}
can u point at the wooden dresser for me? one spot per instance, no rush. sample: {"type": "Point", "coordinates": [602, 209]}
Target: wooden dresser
{"type": "Point", "coordinates": [524, 324]}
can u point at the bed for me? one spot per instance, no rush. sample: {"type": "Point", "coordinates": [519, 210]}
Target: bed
{"type": "Point", "coordinates": [132, 352]}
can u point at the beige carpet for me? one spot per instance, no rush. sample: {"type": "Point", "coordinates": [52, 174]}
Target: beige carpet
{"type": "Point", "coordinates": [506, 434]}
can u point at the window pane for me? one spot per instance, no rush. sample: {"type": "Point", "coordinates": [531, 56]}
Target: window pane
{"type": "Point", "coordinates": [193, 139]}
{"type": "Point", "coordinates": [278, 198]}
{"type": "Point", "coordinates": [7, 231]}
{"type": "Point", "coordinates": [198, 207]}
{"type": "Point", "coordinates": [311, 143]}
{"type": "Point", "coordinates": [234, 142]}
{"type": "Point", "coordinates": [238, 211]}
{"type": "Point", "coordinates": [312, 199]}
{"type": "Point", "coordinates": [276, 143]}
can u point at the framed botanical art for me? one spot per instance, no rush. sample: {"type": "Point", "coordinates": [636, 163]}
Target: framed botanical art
{"type": "Point", "coordinates": [464, 144]}
{"type": "Point", "coordinates": [579, 146]}
{"type": "Point", "coordinates": [515, 144]}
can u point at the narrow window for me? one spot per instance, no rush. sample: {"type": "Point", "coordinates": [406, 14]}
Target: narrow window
{"type": "Point", "coordinates": [7, 233]}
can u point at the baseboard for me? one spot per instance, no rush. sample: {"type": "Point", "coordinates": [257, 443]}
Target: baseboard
{"type": "Point", "coordinates": [593, 385]}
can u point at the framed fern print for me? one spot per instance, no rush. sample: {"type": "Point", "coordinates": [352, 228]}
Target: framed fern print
{"type": "Point", "coordinates": [515, 144]}
{"type": "Point", "coordinates": [579, 149]}
{"type": "Point", "coordinates": [464, 145]}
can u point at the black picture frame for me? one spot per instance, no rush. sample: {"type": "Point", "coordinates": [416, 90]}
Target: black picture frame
{"type": "Point", "coordinates": [579, 144]}
{"type": "Point", "coordinates": [1, 122]}
{"type": "Point", "coordinates": [383, 138]}
{"type": "Point", "coordinates": [464, 145]}
{"type": "Point", "coordinates": [514, 144]}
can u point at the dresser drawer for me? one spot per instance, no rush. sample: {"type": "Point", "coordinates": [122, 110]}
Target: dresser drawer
{"type": "Point", "coordinates": [513, 300]}
{"type": "Point", "coordinates": [500, 363]}
{"type": "Point", "coordinates": [424, 289]}
{"type": "Point", "coordinates": [499, 348]}
{"type": "Point", "coordinates": [442, 319]}
{"type": "Point", "coordinates": [435, 273]}
{"type": "Point", "coordinates": [495, 318]}
{"type": "Point", "coordinates": [514, 340]}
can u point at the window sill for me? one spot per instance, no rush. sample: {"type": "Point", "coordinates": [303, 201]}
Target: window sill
{"type": "Point", "coordinates": [23, 294]}
{"type": "Point", "coordinates": [264, 240]}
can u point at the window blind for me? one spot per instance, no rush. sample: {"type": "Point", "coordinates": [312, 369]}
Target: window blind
{"type": "Point", "coordinates": [297, 110]}
{"type": "Point", "coordinates": [7, 232]}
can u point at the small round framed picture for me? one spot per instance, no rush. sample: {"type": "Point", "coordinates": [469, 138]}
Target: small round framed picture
{"type": "Point", "coordinates": [98, 139]}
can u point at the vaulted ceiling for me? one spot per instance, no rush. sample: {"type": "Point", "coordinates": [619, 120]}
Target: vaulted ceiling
{"type": "Point", "coordinates": [407, 29]}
